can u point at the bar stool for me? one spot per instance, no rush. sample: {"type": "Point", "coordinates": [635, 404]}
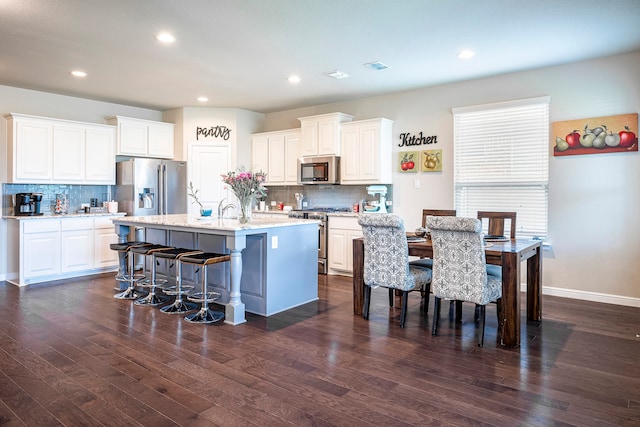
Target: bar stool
{"type": "Point", "coordinates": [152, 299]}
{"type": "Point", "coordinates": [179, 306]}
{"type": "Point", "coordinates": [205, 315]}
{"type": "Point", "coordinates": [128, 275]}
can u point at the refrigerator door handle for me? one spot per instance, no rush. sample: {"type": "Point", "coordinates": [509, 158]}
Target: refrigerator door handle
{"type": "Point", "coordinates": [165, 185]}
{"type": "Point", "coordinates": [160, 191]}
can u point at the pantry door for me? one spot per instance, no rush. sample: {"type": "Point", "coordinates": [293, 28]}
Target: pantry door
{"type": "Point", "coordinates": [206, 164]}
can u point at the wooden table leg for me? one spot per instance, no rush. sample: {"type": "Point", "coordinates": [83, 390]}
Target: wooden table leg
{"type": "Point", "coordinates": [534, 286]}
{"type": "Point", "coordinates": [358, 275]}
{"type": "Point", "coordinates": [511, 300]}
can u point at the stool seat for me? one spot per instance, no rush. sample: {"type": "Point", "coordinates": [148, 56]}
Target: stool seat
{"type": "Point", "coordinates": [179, 306]}
{"type": "Point", "coordinates": [205, 315]}
{"type": "Point", "coordinates": [129, 275]}
{"type": "Point", "coordinates": [205, 258]}
{"type": "Point", "coordinates": [152, 299]}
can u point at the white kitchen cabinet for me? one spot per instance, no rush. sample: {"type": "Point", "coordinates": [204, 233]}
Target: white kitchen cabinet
{"type": "Point", "coordinates": [76, 245]}
{"type": "Point", "coordinates": [143, 138]}
{"type": "Point", "coordinates": [104, 236]}
{"type": "Point", "coordinates": [68, 153]}
{"type": "Point", "coordinates": [39, 249]}
{"type": "Point", "coordinates": [29, 149]}
{"type": "Point", "coordinates": [276, 153]}
{"type": "Point", "coordinates": [342, 231]}
{"type": "Point", "coordinates": [53, 151]}
{"type": "Point", "coordinates": [100, 155]}
{"type": "Point", "coordinates": [366, 152]}
{"type": "Point", "coordinates": [321, 134]}
{"type": "Point", "coordinates": [55, 248]}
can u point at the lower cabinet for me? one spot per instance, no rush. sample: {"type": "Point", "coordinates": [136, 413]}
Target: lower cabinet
{"type": "Point", "coordinates": [342, 231]}
{"type": "Point", "coordinates": [46, 249]}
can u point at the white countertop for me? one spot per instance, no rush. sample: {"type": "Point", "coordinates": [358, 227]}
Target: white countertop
{"type": "Point", "coordinates": [62, 216]}
{"type": "Point", "coordinates": [212, 223]}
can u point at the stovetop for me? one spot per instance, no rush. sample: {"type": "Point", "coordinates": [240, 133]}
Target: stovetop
{"type": "Point", "coordinates": [315, 213]}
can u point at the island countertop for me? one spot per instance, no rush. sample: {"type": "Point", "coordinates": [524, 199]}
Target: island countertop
{"type": "Point", "coordinates": [212, 223]}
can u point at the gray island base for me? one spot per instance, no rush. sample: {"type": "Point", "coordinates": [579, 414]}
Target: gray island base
{"type": "Point", "coordinates": [273, 264]}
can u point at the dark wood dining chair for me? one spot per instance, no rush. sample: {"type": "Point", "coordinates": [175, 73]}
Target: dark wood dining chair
{"type": "Point", "coordinates": [436, 212]}
{"type": "Point", "coordinates": [497, 222]}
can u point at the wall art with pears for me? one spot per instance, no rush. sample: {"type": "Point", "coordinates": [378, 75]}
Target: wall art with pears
{"type": "Point", "coordinates": [431, 161]}
{"type": "Point", "coordinates": [596, 135]}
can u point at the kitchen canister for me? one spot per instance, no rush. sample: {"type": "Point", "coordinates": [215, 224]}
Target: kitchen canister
{"type": "Point", "coordinates": [112, 207]}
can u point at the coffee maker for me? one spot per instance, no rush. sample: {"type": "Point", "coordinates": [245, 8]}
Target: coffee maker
{"type": "Point", "coordinates": [27, 204]}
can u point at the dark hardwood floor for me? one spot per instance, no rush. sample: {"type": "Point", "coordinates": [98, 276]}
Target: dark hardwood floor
{"type": "Point", "coordinates": [72, 355]}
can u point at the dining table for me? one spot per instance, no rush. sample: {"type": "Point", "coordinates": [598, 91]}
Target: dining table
{"type": "Point", "coordinates": [509, 254]}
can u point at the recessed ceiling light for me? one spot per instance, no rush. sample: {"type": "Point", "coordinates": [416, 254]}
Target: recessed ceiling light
{"type": "Point", "coordinates": [337, 74]}
{"type": "Point", "coordinates": [376, 66]}
{"type": "Point", "coordinates": [165, 38]}
{"type": "Point", "coordinates": [466, 54]}
{"type": "Point", "coordinates": [78, 73]}
{"type": "Point", "coordinates": [293, 79]}
{"type": "Point", "coordinates": [203, 99]}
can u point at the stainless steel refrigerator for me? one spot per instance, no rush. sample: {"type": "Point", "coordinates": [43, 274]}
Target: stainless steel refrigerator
{"type": "Point", "coordinates": [151, 187]}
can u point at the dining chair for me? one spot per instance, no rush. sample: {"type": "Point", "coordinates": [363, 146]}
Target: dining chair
{"type": "Point", "coordinates": [497, 220]}
{"type": "Point", "coordinates": [459, 267]}
{"type": "Point", "coordinates": [436, 212]}
{"type": "Point", "coordinates": [386, 261]}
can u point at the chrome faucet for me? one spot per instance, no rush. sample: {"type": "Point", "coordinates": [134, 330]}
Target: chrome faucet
{"type": "Point", "coordinates": [222, 209]}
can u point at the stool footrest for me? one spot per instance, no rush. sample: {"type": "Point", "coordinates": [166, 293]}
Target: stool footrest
{"type": "Point", "coordinates": [204, 297]}
{"type": "Point", "coordinates": [173, 290]}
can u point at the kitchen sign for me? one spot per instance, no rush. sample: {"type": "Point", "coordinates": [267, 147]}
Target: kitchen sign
{"type": "Point", "coordinates": [213, 132]}
{"type": "Point", "coordinates": [409, 140]}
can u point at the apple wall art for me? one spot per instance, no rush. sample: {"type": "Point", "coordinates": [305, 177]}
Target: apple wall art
{"type": "Point", "coordinates": [408, 161]}
{"type": "Point", "coordinates": [610, 134]}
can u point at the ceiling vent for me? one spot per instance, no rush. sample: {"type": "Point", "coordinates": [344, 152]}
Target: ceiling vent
{"type": "Point", "coordinates": [376, 66]}
{"type": "Point", "coordinates": [337, 74]}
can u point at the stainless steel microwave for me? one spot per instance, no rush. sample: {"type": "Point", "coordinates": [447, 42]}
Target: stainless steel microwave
{"type": "Point", "coordinates": [319, 170]}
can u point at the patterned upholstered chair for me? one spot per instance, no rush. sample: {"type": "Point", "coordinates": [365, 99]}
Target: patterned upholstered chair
{"type": "Point", "coordinates": [386, 260]}
{"type": "Point", "coordinates": [459, 267]}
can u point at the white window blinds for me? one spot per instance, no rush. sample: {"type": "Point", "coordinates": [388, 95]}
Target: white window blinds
{"type": "Point", "coordinates": [501, 162]}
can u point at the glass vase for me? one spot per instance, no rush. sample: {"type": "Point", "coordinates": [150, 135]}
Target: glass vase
{"type": "Point", "coordinates": [244, 215]}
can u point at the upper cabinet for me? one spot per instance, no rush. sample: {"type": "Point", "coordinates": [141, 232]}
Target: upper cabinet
{"type": "Point", "coordinates": [366, 152]}
{"type": "Point", "coordinates": [44, 150]}
{"type": "Point", "coordinates": [143, 138]}
{"type": "Point", "coordinates": [321, 134]}
{"type": "Point", "coordinates": [276, 153]}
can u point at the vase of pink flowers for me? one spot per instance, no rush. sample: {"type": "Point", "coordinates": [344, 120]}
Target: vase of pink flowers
{"type": "Point", "coordinates": [246, 186]}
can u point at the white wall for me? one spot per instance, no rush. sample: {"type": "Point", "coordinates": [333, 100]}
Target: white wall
{"type": "Point", "coordinates": [594, 223]}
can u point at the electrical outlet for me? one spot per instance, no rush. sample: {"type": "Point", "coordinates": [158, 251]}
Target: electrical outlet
{"type": "Point", "coordinates": [274, 242]}
{"type": "Point", "coordinates": [416, 183]}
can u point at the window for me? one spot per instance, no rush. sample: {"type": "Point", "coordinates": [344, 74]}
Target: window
{"type": "Point", "coordinates": [501, 161]}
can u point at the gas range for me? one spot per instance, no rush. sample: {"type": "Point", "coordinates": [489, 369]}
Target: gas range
{"type": "Point", "coordinates": [316, 213]}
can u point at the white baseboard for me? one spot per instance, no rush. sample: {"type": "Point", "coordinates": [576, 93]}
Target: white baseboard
{"type": "Point", "coordinates": [588, 296]}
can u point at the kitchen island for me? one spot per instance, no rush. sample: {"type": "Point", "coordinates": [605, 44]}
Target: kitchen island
{"type": "Point", "coordinates": [273, 260]}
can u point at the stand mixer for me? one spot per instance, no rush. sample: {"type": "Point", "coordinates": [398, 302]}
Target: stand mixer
{"type": "Point", "coordinates": [381, 192]}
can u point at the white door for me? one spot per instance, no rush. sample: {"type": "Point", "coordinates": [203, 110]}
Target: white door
{"type": "Point", "coordinates": [206, 165]}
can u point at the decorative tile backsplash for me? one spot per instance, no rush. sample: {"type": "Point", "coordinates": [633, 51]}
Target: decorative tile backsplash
{"type": "Point", "coordinates": [77, 194]}
{"type": "Point", "coordinates": [323, 196]}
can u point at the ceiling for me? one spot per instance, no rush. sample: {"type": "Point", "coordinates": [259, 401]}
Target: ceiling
{"type": "Point", "coordinates": [238, 53]}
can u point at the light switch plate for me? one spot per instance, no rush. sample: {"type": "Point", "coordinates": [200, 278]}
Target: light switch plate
{"type": "Point", "coordinates": [274, 242]}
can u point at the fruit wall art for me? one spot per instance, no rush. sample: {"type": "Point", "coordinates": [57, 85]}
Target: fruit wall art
{"type": "Point", "coordinates": [610, 134]}
{"type": "Point", "coordinates": [431, 161]}
{"type": "Point", "coordinates": [408, 161]}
